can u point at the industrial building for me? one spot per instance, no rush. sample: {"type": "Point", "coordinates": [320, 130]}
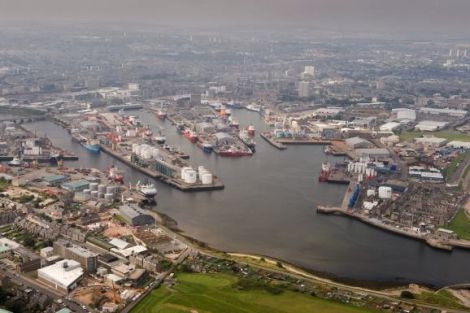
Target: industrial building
{"type": "Point", "coordinates": [391, 126]}
{"type": "Point", "coordinates": [449, 112]}
{"type": "Point", "coordinates": [430, 125]}
{"type": "Point", "coordinates": [85, 257]}
{"type": "Point", "coordinates": [404, 114]}
{"type": "Point", "coordinates": [375, 153]}
{"type": "Point", "coordinates": [63, 275]}
{"type": "Point", "coordinates": [135, 216]}
{"type": "Point", "coordinates": [358, 142]}
{"type": "Point", "coordinates": [431, 141]}
{"type": "Point", "coordinates": [55, 180]}
{"type": "Point", "coordinates": [77, 185]}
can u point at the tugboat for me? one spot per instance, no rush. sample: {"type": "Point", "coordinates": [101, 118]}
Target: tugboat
{"type": "Point", "coordinates": [93, 146]}
{"type": "Point", "coordinates": [325, 172]}
{"type": "Point", "coordinates": [16, 162]}
{"type": "Point", "coordinates": [148, 190]}
{"type": "Point", "coordinates": [190, 135]}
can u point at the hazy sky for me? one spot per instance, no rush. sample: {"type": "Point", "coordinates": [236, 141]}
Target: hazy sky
{"type": "Point", "coordinates": [449, 16]}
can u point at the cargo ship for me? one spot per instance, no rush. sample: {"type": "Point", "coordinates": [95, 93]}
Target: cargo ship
{"type": "Point", "coordinates": [234, 152]}
{"type": "Point", "coordinates": [190, 135]}
{"type": "Point", "coordinates": [251, 130]}
{"type": "Point", "coordinates": [92, 146]}
{"type": "Point", "coordinates": [180, 128]}
{"type": "Point", "coordinates": [205, 146]}
{"type": "Point", "coordinates": [233, 123]}
{"type": "Point", "coordinates": [253, 107]}
{"type": "Point", "coordinates": [160, 139]}
{"type": "Point", "coordinates": [247, 140]}
{"type": "Point", "coordinates": [325, 172]}
{"type": "Point", "coordinates": [148, 190]}
{"type": "Point", "coordinates": [161, 114]}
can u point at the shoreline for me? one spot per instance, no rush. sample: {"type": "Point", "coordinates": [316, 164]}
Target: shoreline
{"type": "Point", "coordinates": [432, 242]}
{"type": "Point", "coordinates": [170, 225]}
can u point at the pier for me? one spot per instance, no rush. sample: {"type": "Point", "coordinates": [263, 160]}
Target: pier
{"type": "Point", "coordinates": [429, 239]}
{"type": "Point", "coordinates": [172, 181]}
{"type": "Point", "coordinates": [273, 142]}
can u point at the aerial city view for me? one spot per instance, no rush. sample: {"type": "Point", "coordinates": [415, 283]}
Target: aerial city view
{"type": "Point", "coordinates": [284, 156]}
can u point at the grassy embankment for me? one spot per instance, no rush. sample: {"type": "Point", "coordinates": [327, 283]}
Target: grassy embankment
{"type": "Point", "coordinates": [218, 293]}
{"type": "Point", "coordinates": [450, 135]}
{"type": "Point", "coordinates": [461, 225]}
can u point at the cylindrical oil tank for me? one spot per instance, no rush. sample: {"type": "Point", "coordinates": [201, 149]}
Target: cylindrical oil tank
{"type": "Point", "coordinates": [206, 178]}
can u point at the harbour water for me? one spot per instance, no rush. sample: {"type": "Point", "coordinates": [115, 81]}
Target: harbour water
{"type": "Point", "coordinates": [267, 208]}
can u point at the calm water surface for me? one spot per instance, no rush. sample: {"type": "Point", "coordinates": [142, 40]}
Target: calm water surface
{"type": "Point", "coordinates": [268, 206]}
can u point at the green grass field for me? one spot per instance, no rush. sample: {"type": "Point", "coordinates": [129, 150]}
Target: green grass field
{"type": "Point", "coordinates": [213, 293]}
{"type": "Point", "coordinates": [450, 135]}
{"type": "Point", "coordinates": [460, 225]}
{"type": "Point", "coordinates": [443, 298]}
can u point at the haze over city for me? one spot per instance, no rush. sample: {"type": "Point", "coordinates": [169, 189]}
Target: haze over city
{"type": "Point", "coordinates": [281, 156]}
{"type": "Point", "coordinates": [398, 17]}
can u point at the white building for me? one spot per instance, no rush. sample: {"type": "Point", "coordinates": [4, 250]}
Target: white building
{"type": "Point", "coordinates": [389, 126]}
{"type": "Point", "coordinates": [390, 140]}
{"type": "Point", "coordinates": [404, 114]}
{"type": "Point", "coordinates": [430, 125]}
{"type": "Point", "coordinates": [450, 112]}
{"type": "Point", "coordinates": [304, 89]}
{"type": "Point", "coordinates": [62, 275]}
{"type": "Point", "coordinates": [459, 144]}
{"type": "Point", "coordinates": [431, 141]}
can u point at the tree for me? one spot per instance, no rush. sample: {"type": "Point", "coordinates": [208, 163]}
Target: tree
{"type": "Point", "coordinates": [407, 294]}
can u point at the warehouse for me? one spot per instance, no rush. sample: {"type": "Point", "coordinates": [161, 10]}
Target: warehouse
{"type": "Point", "coordinates": [62, 275]}
{"type": "Point", "coordinates": [459, 144]}
{"type": "Point", "coordinates": [450, 112]}
{"type": "Point", "coordinates": [135, 216]}
{"type": "Point", "coordinates": [404, 114]}
{"type": "Point", "coordinates": [358, 142]}
{"type": "Point", "coordinates": [77, 185]}
{"type": "Point", "coordinates": [430, 125]}
{"type": "Point", "coordinates": [431, 141]}
{"type": "Point", "coordinates": [55, 180]}
{"type": "Point", "coordinates": [390, 126]}
{"type": "Point", "coordinates": [375, 153]}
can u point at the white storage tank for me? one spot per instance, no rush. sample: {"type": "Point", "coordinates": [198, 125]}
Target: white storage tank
{"type": "Point", "coordinates": [155, 153]}
{"type": "Point", "coordinates": [206, 178]}
{"type": "Point", "coordinates": [183, 171]}
{"type": "Point", "coordinates": [108, 196]}
{"type": "Point", "coordinates": [102, 188]}
{"type": "Point", "coordinates": [137, 150]}
{"type": "Point", "coordinates": [385, 192]}
{"type": "Point", "coordinates": [190, 176]}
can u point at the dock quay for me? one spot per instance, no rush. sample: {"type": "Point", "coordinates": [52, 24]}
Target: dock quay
{"type": "Point", "coordinates": [174, 182]}
{"type": "Point", "coordinates": [273, 142]}
{"type": "Point", "coordinates": [302, 141]}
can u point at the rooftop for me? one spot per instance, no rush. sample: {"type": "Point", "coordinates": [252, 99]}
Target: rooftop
{"type": "Point", "coordinates": [65, 272]}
